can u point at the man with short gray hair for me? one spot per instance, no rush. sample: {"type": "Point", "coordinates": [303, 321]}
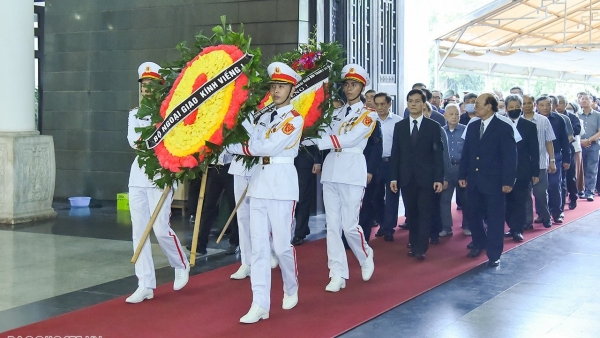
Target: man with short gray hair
{"type": "Point", "coordinates": [589, 143]}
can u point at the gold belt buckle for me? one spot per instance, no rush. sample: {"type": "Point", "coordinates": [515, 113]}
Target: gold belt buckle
{"type": "Point", "coordinates": [266, 160]}
{"type": "Point", "coordinates": [338, 150]}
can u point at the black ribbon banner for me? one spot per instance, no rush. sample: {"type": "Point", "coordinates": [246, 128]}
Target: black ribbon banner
{"type": "Point", "coordinates": [319, 75]}
{"type": "Point", "coordinates": [197, 98]}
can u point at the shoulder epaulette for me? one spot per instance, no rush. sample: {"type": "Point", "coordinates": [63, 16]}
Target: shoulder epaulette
{"type": "Point", "coordinates": [295, 113]}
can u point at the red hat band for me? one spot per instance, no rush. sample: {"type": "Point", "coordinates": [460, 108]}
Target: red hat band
{"type": "Point", "coordinates": [283, 78]}
{"type": "Point", "coordinates": [357, 77]}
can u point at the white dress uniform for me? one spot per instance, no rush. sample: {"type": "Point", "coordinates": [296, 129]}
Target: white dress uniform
{"type": "Point", "coordinates": [344, 178]}
{"type": "Point", "coordinates": [273, 192]}
{"type": "Point", "coordinates": [143, 199]}
{"type": "Point", "coordinates": [241, 178]}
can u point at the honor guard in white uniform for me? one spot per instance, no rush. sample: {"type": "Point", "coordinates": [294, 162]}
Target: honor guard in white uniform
{"type": "Point", "coordinates": [344, 179]}
{"type": "Point", "coordinates": [273, 192]}
{"type": "Point", "coordinates": [241, 179]}
{"type": "Point", "coordinates": [143, 199]}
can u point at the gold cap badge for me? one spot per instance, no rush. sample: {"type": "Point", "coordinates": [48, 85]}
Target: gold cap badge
{"type": "Point", "coordinates": [277, 70]}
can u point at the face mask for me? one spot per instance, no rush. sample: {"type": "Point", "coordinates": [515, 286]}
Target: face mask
{"type": "Point", "coordinates": [513, 114]}
{"type": "Point", "coordinates": [502, 111]}
{"type": "Point", "coordinates": [570, 111]}
{"type": "Point", "coordinates": [470, 108]}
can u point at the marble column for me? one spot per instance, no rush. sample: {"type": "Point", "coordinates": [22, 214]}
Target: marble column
{"type": "Point", "coordinates": [27, 163]}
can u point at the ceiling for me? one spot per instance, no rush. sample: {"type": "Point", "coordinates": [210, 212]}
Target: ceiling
{"type": "Point", "coordinates": [550, 38]}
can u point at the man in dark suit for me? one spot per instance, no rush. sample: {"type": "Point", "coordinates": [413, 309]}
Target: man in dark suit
{"type": "Point", "coordinates": [417, 168]}
{"type": "Point", "coordinates": [372, 154]}
{"type": "Point", "coordinates": [488, 169]}
{"type": "Point", "coordinates": [308, 165]}
{"type": "Point", "coordinates": [528, 168]}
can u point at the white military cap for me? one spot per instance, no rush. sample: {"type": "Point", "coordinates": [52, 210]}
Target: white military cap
{"type": "Point", "coordinates": [279, 72]}
{"type": "Point", "coordinates": [355, 72]}
{"type": "Point", "coordinates": [149, 70]}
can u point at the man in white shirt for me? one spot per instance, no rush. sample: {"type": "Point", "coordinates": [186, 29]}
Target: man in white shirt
{"type": "Point", "coordinates": [386, 201]}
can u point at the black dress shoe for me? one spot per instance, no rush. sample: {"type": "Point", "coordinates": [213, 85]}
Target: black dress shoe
{"type": "Point", "coordinates": [420, 256]}
{"type": "Point", "coordinates": [435, 241]}
{"type": "Point", "coordinates": [517, 237]}
{"type": "Point", "coordinates": [572, 205]}
{"type": "Point", "coordinates": [408, 246]}
{"type": "Point", "coordinates": [404, 226]}
{"type": "Point", "coordinates": [410, 254]}
{"type": "Point", "coordinates": [474, 253]}
{"type": "Point", "coordinates": [494, 264]}
{"type": "Point", "coordinates": [528, 226]}
{"type": "Point", "coordinates": [559, 219]}
{"type": "Point", "coordinates": [470, 245]}
{"type": "Point", "coordinates": [297, 241]}
{"type": "Point", "coordinates": [547, 224]}
{"type": "Point", "coordinates": [538, 220]}
{"type": "Point", "coordinates": [199, 251]}
{"type": "Point", "coordinates": [232, 249]}
{"type": "Point", "coordinates": [508, 234]}
{"type": "Point", "coordinates": [388, 237]}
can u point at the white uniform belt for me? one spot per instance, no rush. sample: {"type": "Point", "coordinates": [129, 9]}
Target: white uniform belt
{"type": "Point", "coordinates": [276, 160]}
{"type": "Point", "coordinates": [349, 150]}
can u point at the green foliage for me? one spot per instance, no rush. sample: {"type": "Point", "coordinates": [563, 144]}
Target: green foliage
{"type": "Point", "coordinates": [332, 53]}
{"type": "Point", "coordinates": [150, 105]}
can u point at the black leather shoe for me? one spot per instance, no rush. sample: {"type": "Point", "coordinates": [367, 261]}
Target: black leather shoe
{"type": "Point", "coordinates": [410, 254]}
{"type": "Point", "coordinates": [538, 220]}
{"type": "Point", "coordinates": [435, 241]}
{"type": "Point", "coordinates": [388, 237]}
{"type": "Point", "coordinates": [559, 219]}
{"type": "Point", "coordinates": [547, 224]}
{"type": "Point", "coordinates": [528, 226]}
{"type": "Point", "coordinates": [494, 264]}
{"type": "Point", "coordinates": [572, 205]}
{"type": "Point", "coordinates": [470, 245]}
{"type": "Point", "coordinates": [232, 249]}
{"type": "Point", "coordinates": [404, 226]}
{"type": "Point", "coordinates": [199, 251]}
{"type": "Point", "coordinates": [420, 256]}
{"type": "Point", "coordinates": [408, 246]}
{"type": "Point", "coordinates": [508, 234]}
{"type": "Point", "coordinates": [517, 237]}
{"type": "Point", "coordinates": [474, 253]}
{"type": "Point", "coordinates": [297, 241]}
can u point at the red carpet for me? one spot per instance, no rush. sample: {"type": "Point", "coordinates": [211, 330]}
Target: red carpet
{"type": "Point", "coordinates": [211, 304]}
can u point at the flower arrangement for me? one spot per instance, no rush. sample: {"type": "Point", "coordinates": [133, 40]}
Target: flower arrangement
{"type": "Point", "coordinates": [316, 103]}
{"type": "Point", "coordinates": [196, 141]}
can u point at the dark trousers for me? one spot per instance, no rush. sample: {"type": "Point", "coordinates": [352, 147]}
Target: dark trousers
{"type": "Point", "coordinates": [419, 203]}
{"type": "Point", "coordinates": [307, 192]}
{"type": "Point", "coordinates": [367, 210]}
{"type": "Point", "coordinates": [555, 189]}
{"type": "Point", "coordinates": [490, 207]}
{"type": "Point", "coordinates": [436, 218]}
{"type": "Point", "coordinates": [218, 182]}
{"type": "Point", "coordinates": [390, 200]}
{"type": "Point", "coordinates": [516, 210]}
{"type": "Point", "coordinates": [381, 191]}
{"type": "Point", "coordinates": [571, 179]}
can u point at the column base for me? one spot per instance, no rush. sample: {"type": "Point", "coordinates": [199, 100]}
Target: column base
{"type": "Point", "coordinates": [27, 177]}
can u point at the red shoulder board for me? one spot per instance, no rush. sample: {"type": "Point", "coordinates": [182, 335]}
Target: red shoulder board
{"type": "Point", "coordinates": [295, 113]}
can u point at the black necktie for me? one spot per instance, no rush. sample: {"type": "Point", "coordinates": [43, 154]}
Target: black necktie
{"type": "Point", "coordinates": [415, 131]}
{"type": "Point", "coordinates": [481, 130]}
{"type": "Point", "coordinates": [348, 111]}
{"type": "Point", "coordinates": [273, 114]}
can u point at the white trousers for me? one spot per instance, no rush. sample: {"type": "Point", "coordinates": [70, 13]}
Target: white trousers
{"type": "Point", "coordinates": [342, 208]}
{"type": "Point", "coordinates": [142, 202]}
{"type": "Point", "coordinates": [243, 217]}
{"type": "Point", "coordinates": [271, 217]}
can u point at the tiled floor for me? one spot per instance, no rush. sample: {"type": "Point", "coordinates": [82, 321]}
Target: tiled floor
{"type": "Point", "coordinates": [545, 288]}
